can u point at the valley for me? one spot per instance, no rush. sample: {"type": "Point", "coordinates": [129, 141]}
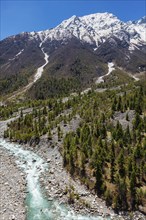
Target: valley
{"type": "Point", "coordinates": [73, 121]}
{"type": "Point", "coordinates": [48, 145]}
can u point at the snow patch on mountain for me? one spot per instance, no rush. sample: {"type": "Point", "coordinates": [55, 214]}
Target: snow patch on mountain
{"type": "Point", "coordinates": [18, 54]}
{"type": "Point", "coordinates": [137, 32]}
{"type": "Point", "coordinates": [133, 46]}
{"type": "Point", "coordinates": [111, 67]}
{"type": "Point", "coordinates": [41, 68]}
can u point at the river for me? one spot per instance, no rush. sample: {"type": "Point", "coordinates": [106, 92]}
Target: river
{"type": "Point", "coordinates": [38, 206]}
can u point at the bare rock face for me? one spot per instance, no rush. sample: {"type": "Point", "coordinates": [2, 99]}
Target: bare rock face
{"type": "Point", "coordinates": [121, 117]}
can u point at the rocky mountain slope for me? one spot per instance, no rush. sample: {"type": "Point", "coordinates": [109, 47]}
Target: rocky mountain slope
{"type": "Point", "coordinates": [78, 49]}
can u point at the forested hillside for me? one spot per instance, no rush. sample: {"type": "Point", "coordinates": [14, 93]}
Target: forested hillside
{"type": "Point", "coordinates": [107, 152]}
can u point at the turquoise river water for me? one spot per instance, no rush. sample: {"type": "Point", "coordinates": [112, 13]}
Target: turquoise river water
{"type": "Point", "coordinates": [38, 207]}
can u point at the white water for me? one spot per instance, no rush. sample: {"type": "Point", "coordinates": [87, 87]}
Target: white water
{"type": "Point", "coordinates": [41, 68]}
{"type": "Point", "coordinates": [38, 207]}
{"type": "Point", "coordinates": [33, 166]}
{"type": "Point", "coordinates": [110, 69]}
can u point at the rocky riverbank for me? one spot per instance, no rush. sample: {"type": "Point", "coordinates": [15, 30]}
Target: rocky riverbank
{"type": "Point", "coordinates": [12, 188]}
{"type": "Point", "coordinates": [12, 184]}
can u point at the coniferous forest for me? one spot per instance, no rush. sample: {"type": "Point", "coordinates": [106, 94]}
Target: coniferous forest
{"type": "Point", "coordinates": [107, 151]}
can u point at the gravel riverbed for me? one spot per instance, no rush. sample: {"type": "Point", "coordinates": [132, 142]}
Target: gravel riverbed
{"type": "Point", "coordinates": [12, 189]}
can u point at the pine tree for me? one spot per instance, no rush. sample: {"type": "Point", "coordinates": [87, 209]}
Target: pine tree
{"type": "Point", "coordinates": [99, 179]}
{"type": "Point", "coordinates": [137, 121]}
{"type": "Point", "coordinates": [49, 134]}
{"type": "Point", "coordinates": [121, 164]}
{"type": "Point", "coordinates": [119, 104]}
{"type": "Point", "coordinates": [119, 131]}
{"type": "Point", "coordinates": [133, 189]}
{"type": "Point", "coordinates": [121, 193]}
{"type": "Point", "coordinates": [127, 117]}
{"type": "Point", "coordinates": [127, 136]}
{"type": "Point", "coordinates": [112, 161]}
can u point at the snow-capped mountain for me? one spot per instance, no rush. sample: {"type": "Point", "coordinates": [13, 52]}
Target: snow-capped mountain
{"type": "Point", "coordinates": [96, 28]}
{"type": "Point", "coordinates": [102, 36]}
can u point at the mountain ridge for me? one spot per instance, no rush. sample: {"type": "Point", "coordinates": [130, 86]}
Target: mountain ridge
{"type": "Point", "coordinates": [102, 34]}
{"type": "Point", "coordinates": [92, 17]}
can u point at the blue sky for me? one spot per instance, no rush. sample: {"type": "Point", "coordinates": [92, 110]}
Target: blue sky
{"type": "Point", "coordinates": [18, 15]}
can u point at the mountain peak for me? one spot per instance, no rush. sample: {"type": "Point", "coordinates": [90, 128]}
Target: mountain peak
{"type": "Point", "coordinates": [69, 21]}
{"type": "Point", "coordinates": [142, 20]}
{"type": "Point", "coordinates": [100, 16]}
{"type": "Point", "coordinates": [138, 22]}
